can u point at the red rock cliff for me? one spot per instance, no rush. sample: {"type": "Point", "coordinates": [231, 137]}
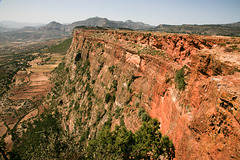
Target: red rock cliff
{"type": "Point", "coordinates": [203, 119]}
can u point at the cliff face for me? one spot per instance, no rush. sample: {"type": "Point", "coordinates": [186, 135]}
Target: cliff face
{"type": "Point", "coordinates": [118, 72]}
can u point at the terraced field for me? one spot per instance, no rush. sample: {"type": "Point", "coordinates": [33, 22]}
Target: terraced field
{"type": "Point", "coordinates": [24, 99]}
{"type": "Point", "coordinates": [34, 82]}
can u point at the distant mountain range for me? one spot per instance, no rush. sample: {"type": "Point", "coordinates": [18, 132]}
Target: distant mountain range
{"type": "Point", "coordinates": [18, 25]}
{"type": "Point", "coordinates": [57, 30]}
{"type": "Point", "coordinates": [101, 22]}
{"type": "Point", "coordinates": [6, 26]}
{"type": "Point", "coordinates": [232, 29]}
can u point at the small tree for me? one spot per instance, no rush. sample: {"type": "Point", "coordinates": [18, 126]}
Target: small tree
{"type": "Point", "coordinates": [111, 69]}
{"type": "Point", "coordinates": [3, 149]}
{"type": "Point", "coordinates": [180, 80]}
{"type": "Point", "coordinates": [107, 97]}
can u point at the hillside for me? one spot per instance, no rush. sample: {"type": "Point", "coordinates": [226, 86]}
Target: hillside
{"type": "Point", "coordinates": [112, 83]}
{"type": "Point", "coordinates": [217, 30]}
{"type": "Point", "coordinates": [53, 26]}
{"type": "Point", "coordinates": [189, 83]}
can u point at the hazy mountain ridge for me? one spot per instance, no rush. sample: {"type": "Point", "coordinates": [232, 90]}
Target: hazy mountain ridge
{"type": "Point", "coordinates": [3, 29]}
{"type": "Point", "coordinates": [102, 22]}
{"type": "Point", "coordinates": [237, 24]}
{"type": "Point", "coordinates": [96, 21]}
{"type": "Point", "coordinates": [58, 30]}
{"type": "Point", "coordinates": [231, 29]}
{"type": "Point", "coordinates": [53, 26]}
{"type": "Point", "coordinates": [18, 25]}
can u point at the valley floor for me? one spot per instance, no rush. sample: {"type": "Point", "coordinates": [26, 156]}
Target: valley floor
{"type": "Point", "coordinates": [29, 88]}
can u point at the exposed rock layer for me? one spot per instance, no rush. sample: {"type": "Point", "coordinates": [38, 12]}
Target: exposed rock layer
{"type": "Point", "coordinates": [203, 120]}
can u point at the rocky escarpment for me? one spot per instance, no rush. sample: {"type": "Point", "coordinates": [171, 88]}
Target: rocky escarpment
{"type": "Point", "coordinates": [189, 83]}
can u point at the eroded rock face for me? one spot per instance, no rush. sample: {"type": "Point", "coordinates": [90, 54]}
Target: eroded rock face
{"type": "Point", "coordinates": [202, 120]}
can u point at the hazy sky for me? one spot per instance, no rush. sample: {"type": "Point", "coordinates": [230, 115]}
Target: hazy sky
{"type": "Point", "coordinates": [153, 12]}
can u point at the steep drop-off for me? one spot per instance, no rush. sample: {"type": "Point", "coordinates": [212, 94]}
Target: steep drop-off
{"type": "Point", "coordinates": [189, 83]}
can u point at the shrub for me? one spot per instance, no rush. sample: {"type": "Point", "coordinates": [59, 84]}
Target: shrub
{"type": "Point", "coordinates": [87, 63]}
{"type": "Point", "coordinates": [145, 117]}
{"type": "Point", "coordinates": [111, 69]}
{"type": "Point", "coordinates": [129, 99]}
{"type": "Point", "coordinates": [73, 89]}
{"type": "Point", "coordinates": [67, 69]}
{"type": "Point", "coordinates": [78, 57]}
{"type": "Point", "coordinates": [100, 67]}
{"type": "Point", "coordinates": [114, 85]}
{"type": "Point", "coordinates": [234, 47]}
{"type": "Point", "coordinates": [84, 136]}
{"type": "Point", "coordinates": [76, 107]}
{"type": "Point", "coordinates": [140, 111]}
{"type": "Point", "coordinates": [93, 81]}
{"type": "Point", "coordinates": [122, 123]}
{"type": "Point", "coordinates": [107, 97]}
{"type": "Point", "coordinates": [128, 145]}
{"type": "Point", "coordinates": [113, 98]}
{"type": "Point", "coordinates": [222, 44]}
{"type": "Point", "coordinates": [137, 104]}
{"type": "Point", "coordinates": [228, 49]}
{"type": "Point", "coordinates": [179, 79]}
{"type": "Point", "coordinates": [118, 112]}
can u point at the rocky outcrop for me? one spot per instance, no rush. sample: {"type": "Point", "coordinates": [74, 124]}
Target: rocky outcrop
{"type": "Point", "coordinates": [139, 69]}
